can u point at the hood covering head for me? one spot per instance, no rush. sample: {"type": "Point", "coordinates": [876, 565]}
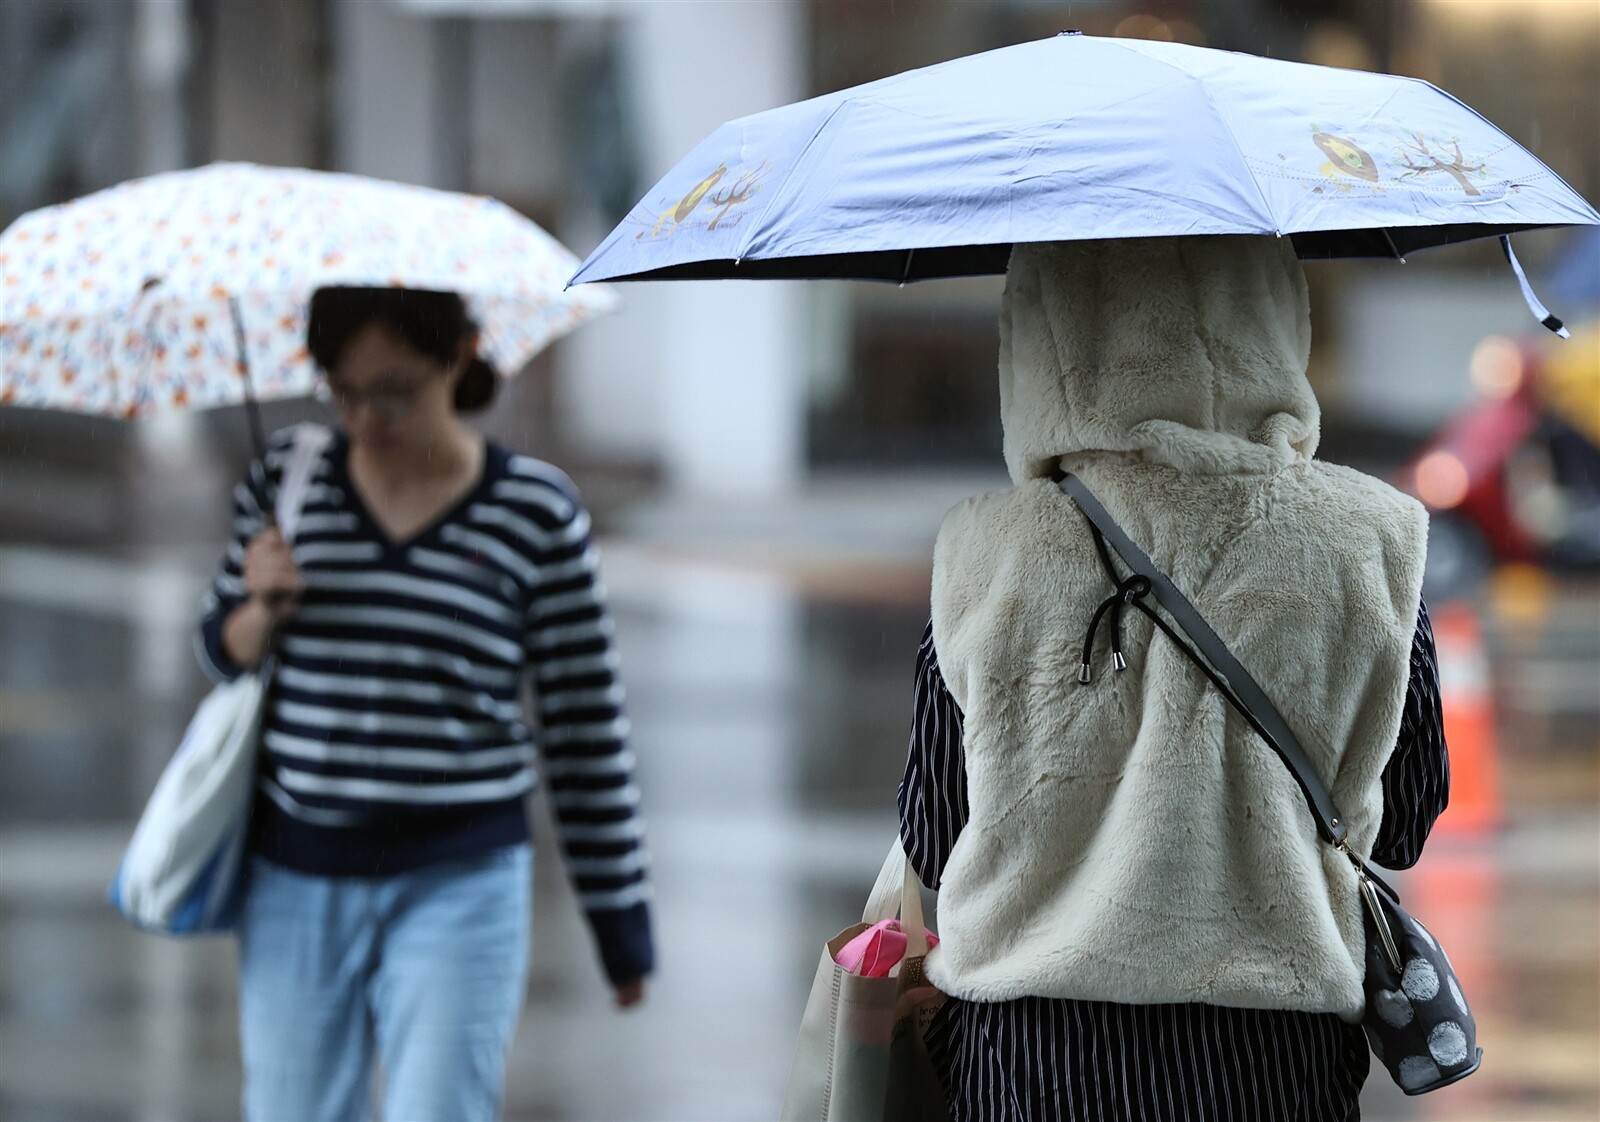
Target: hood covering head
{"type": "Point", "coordinates": [1185, 351]}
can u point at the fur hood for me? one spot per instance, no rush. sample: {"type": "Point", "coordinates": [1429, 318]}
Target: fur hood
{"type": "Point", "coordinates": [1189, 352]}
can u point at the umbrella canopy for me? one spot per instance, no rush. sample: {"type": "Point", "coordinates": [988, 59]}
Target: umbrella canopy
{"type": "Point", "coordinates": [168, 291]}
{"type": "Point", "coordinates": [938, 172]}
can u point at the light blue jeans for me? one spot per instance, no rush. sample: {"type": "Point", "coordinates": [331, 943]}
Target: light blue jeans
{"type": "Point", "coordinates": [423, 973]}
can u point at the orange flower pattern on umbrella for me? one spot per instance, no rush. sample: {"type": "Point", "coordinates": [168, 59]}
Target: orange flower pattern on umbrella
{"type": "Point", "coordinates": [119, 303]}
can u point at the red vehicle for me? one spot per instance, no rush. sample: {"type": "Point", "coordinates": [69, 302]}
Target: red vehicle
{"type": "Point", "coordinates": [1516, 475]}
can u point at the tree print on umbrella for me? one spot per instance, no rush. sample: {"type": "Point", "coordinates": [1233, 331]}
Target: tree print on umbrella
{"type": "Point", "coordinates": [1421, 154]}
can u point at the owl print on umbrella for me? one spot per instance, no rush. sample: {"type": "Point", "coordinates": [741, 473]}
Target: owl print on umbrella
{"type": "Point", "coordinates": [1415, 158]}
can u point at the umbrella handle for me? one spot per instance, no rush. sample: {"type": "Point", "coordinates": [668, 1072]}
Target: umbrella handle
{"type": "Point", "coordinates": [273, 601]}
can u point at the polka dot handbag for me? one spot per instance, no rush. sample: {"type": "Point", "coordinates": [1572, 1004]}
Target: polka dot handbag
{"type": "Point", "coordinates": [1417, 1020]}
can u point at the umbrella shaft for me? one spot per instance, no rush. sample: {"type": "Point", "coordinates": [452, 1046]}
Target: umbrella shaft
{"type": "Point", "coordinates": [258, 431]}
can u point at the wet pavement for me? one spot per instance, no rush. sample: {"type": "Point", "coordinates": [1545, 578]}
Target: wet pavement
{"type": "Point", "coordinates": [769, 687]}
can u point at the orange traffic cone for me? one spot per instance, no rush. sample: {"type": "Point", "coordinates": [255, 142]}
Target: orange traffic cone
{"type": "Point", "coordinates": [1458, 891]}
{"type": "Point", "coordinates": [1469, 722]}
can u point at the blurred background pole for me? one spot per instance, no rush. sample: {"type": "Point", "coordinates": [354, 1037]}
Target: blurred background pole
{"type": "Point", "coordinates": [452, 131]}
{"type": "Point", "coordinates": [731, 357]}
{"type": "Point", "coordinates": [161, 66]}
{"type": "Point", "coordinates": [164, 454]}
{"type": "Point", "coordinates": [165, 444]}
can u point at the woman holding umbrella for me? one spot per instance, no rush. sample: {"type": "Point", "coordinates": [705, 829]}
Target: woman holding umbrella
{"type": "Point", "coordinates": [386, 914]}
{"type": "Point", "coordinates": [386, 917]}
{"type": "Point", "coordinates": [1137, 921]}
{"type": "Point", "coordinates": [1138, 918]}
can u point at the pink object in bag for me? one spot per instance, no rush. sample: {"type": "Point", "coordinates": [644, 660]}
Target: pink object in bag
{"type": "Point", "coordinates": [878, 950]}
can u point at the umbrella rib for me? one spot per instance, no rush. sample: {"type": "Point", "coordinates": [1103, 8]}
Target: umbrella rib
{"type": "Point", "coordinates": [1266, 208]}
{"type": "Point", "coordinates": [744, 243]}
{"type": "Point", "coordinates": [258, 432]}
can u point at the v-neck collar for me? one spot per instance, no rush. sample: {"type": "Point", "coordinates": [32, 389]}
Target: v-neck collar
{"type": "Point", "coordinates": [492, 467]}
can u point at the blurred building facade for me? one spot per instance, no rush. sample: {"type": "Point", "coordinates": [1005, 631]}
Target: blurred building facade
{"type": "Point", "coordinates": [569, 109]}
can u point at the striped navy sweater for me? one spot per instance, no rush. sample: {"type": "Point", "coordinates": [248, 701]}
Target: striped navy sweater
{"type": "Point", "coordinates": [396, 734]}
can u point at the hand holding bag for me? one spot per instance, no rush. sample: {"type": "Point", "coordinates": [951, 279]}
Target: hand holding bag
{"type": "Point", "coordinates": [860, 1057]}
{"type": "Point", "coordinates": [1416, 1019]}
{"type": "Point", "coordinates": [180, 874]}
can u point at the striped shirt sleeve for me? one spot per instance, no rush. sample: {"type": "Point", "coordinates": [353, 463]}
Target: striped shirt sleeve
{"type": "Point", "coordinates": [933, 793]}
{"type": "Point", "coordinates": [1416, 780]}
{"type": "Point", "coordinates": [588, 764]}
{"type": "Point", "coordinates": [252, 501]}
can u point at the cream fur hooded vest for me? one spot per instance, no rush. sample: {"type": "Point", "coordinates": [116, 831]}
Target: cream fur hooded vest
{"type": "Point", "coordinates": [1132, 840]}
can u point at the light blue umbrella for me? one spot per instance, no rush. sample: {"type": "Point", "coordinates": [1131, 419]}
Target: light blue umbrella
{"type": "Point", "coordinates": [938, 172]}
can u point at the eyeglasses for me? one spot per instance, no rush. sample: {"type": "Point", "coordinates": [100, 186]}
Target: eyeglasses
{"type": "Point", "coordinates": [384, 402]}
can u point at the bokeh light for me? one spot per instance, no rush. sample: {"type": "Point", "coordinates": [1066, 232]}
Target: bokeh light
{"type": "Point", "coordinates": [1145, 26]}
{"type": "Point", "coordinates": [1442, 480]}
{"type": "Point", "coordinates": [1497, 366]}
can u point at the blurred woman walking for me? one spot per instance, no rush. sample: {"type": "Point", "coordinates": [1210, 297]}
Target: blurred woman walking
{"type": "Point", "coordinates": [386, 916]}
{"type": "Point", "coordinates": [1139, 920]}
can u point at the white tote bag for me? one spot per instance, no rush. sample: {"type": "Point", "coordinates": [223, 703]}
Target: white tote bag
{"type": "Point", "coordinates": [860, 1056]}
{"type": "Point", "coordinates": [180, 874]}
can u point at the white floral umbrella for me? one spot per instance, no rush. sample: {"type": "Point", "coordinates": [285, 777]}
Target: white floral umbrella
{"type": "Point", "coordinates": [190, 289]}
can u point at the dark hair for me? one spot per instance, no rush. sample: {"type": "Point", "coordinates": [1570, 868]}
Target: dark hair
{"type": "Point", "coordinates": [434, 323]}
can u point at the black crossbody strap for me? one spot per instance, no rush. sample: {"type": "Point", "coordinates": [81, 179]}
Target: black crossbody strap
{"type": "Point", "coordinates": [1235, 681]}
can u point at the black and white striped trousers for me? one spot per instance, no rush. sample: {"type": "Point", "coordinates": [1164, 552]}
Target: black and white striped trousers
{"type": "Point", "coordinates": [1043, 1060]}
